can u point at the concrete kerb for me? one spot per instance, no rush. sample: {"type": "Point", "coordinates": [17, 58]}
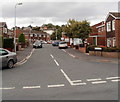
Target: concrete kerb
{"type": "Point", "coordinates": [25, 59]}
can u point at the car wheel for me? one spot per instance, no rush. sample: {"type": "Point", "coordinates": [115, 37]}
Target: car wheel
{"type": "Point", "coordinates": [10, 64]}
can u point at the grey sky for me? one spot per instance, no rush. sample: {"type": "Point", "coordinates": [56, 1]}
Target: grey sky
{"type": "Point", "coordinates": [38, 13]}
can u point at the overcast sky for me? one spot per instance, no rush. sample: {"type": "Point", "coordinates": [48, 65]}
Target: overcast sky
{"type": "Point", "coordinates": [37, 13]}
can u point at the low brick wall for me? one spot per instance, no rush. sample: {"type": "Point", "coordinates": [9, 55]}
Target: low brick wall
{"type": "Point", "coordinates": [105, 54]}
{"type": "Point", "coordinates": [82, 49]}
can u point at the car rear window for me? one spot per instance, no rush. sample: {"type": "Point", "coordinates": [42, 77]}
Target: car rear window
{"type": "Point", "coordinates": [62, 42]}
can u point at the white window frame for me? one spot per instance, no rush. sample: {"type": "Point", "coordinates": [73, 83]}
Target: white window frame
{"type": "Point", "coordinates": [109, 26]}
{"type": "Point", "coordinates": [113, 25]}
{"type": "Point", "coordinates": [114, 42]}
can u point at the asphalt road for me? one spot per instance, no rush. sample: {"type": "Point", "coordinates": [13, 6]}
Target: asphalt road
{"type": "Point", "coordinates": [53, 74]}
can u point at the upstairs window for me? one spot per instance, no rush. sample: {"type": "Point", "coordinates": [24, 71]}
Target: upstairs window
{"type": "Point", "coordinates": [113, 25]}
{"type": "Point", "coordinates": [108, 26]}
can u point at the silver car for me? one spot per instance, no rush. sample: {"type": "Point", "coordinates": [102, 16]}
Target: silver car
{"type": "Point", "coordinates": [7, 58]}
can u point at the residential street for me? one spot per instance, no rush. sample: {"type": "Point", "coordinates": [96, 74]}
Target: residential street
{"type": "Point", "coordinates": [57, 74]}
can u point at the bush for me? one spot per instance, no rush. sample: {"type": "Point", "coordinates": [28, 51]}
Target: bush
{"type": "Point", "coordinates": [21, 38]}
{"type": "Point", "coordinates": [8, 43]}
{"type": "Point", "coordinates": [111, 49]}
{"type": "Point", "coordinates": [105, 49]}
{"type": "Point", "coordinates": [1, 42]}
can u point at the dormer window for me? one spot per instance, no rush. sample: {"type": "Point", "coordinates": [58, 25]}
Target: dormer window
{"type": "Point", "coordinates": [109, 26]}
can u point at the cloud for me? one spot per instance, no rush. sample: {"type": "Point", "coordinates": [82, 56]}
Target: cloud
{"type": "Point", "coordinates": [57, 12]}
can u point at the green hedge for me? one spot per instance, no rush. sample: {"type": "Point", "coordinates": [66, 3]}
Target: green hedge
{"type": "Point", "coordinates": [8, 43]}
{"type": "Point", "coordinates": [105, 49]}
{"type": "Point", "coordinates": [1, 42]}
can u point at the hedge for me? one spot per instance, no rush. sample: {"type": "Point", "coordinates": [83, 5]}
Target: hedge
{"type": "Point", "coordinates": [105, 49]}
{"type": "Point", "coordinates": [8, 43]}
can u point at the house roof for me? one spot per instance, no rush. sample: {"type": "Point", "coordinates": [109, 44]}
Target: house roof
{"type": "Point", "coordinates": [115, 15]}
{"type": "Point", "coordinates": [3, 24]}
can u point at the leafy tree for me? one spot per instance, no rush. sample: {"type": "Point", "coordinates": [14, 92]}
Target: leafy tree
{"type": "Point", "coordinates": [21, 38]}
{"type": "Point", "coordinates": [77, 29]}
{"type": "Point", "coordinates": [36, 28]}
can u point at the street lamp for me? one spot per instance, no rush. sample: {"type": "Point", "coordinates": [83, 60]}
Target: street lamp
{"type": "Point", "coordinates": [15, 27]}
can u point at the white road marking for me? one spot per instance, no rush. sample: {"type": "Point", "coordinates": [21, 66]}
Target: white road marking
{"type": "Point", "coordinates": [51, 55]}
{"type": "Point", "coordinates": [7, 88]}
{"type": "Point", "coordinates": [25, 60]}
{"type": "Point", "coordinates": [99, 82]}
{"type": "Point", "coordinates": [64, 50]}
{"type": "Point", "coordinates": [31, 87]}
{"type": "Point", "coordinates": [79, 84]}
{"type": "Point", "coordinates": [112, 78]}
{"type": "Point", "coordinates": [56, 63]}
{"type": "Point", "coordinates": [60, 85]}
{"type": "Point", "coordinates": [66, 77]}
{"type": "Point", "coordinates": [94, 79]}
{"type": "Point", "coordinates": [71, 55]}
{"type": "Point", "coordinates": [115, 80]}
{"type": "Point", "coordinates": [75, 81]}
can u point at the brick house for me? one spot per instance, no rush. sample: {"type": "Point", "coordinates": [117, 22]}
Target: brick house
{"type": "Point", "coordinates": [39, 35]}
{"type": "Point", "coordinates": [3, 29]}
{"type": "Point", "coordinates": [113, 29]}
{"type": "Point", "coordinates": [98, 35]}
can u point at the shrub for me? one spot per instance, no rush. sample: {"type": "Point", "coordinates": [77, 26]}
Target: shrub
{"type": "Point", "coordinates": [8, 43]}
{"type": "Point", "coordinates": [21, 38]}
{"type": "Point", "coordinates": [1, 41]}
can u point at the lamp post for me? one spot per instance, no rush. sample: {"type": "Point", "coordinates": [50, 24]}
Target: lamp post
{"type": "Point", "coordinates": [15, 27]}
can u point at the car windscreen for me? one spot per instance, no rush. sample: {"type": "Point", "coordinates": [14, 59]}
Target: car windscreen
{"type": "Point", "coordinates": [38, 42]}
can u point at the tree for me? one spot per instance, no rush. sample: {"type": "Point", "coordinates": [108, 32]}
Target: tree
{"type": "Point", "coordinates": [77, 29]}
{"type": "Point", "coordinates": [21, 38]}
{"type": "Point", "coordinates": [58, 32]}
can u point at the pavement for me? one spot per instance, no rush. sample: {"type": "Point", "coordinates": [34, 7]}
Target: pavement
{"type": "Point", "coordinates": [54, 74]}
{"type": "Point", "coordinates": [23, 54]}
{"type": "Point", "coordinates": [85, 56]}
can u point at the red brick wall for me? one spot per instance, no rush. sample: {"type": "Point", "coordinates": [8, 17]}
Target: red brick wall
{"type": "Point", "coordinates": [101, 41]}
{"type": "Point", "coordinates": [117, 32]}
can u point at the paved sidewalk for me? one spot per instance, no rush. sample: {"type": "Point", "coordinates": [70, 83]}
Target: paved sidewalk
{"type": "Point", "coordinates": [23, 54]}
{"type": "Point", "coordinates": [85, 56]}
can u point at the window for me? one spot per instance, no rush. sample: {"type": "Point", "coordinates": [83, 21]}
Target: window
{"type": "Point", "coordinates": [108, 42]}
{"type": "Point", "coordinates": [108, 26]}
{"type": "Point", "coordinates": [3, 52]}
{"type": "Point", "coordinates": [113, 25]}
{"type": "Point", "coordinates": [114, 42]}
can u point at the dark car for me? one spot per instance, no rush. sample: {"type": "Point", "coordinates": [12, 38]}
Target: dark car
{"type": "Point", "coordinates": [7, 58]}
{"type": "Point", "coordinates": [37, 44]}
{"type": "Point", "coordinates": [55, 44]}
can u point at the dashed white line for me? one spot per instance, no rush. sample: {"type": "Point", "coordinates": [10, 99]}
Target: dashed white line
{"type": "Point", "coordinates": [94, 79]}
{"type": "Point", "coordinates": [7, 88]}
{"type": "Point", "coordinates": [51, 55]}
{"type": "Point", "coordinates": [99, 82]}
{"type": "Point", "coordinates": [64, 50]}
{"type": "Point", "coordinates": [56, 63]}
{"type": "Point", "coordinates": [112, 78]}
{"type": "Point", "coordinates": [79, 84]}
{"type": "Point", "coordinates": [115, 80]}
{"type": "Point", "coordinates": [71, 55]}
{"type": "Point", "coordinates": [52, 86]}
{"type": "Point", "coordinates": [31, 87]}
{"type": "Point", "coordinates": [75, 81]}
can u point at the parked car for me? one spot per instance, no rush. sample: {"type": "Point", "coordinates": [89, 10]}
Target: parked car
{"type": "Point", "coordinates": [44, 42]}
{"type": "Point", "coordinates": [63, 44]}
{"type": "Point", "coordinates": [7, 58]}
{"type": "Point", "coordinates": [37, 44]}
{"type": "Point", "coordinates": [55, 44]}
{"type": "Point", "coordinates": [49, 42]}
